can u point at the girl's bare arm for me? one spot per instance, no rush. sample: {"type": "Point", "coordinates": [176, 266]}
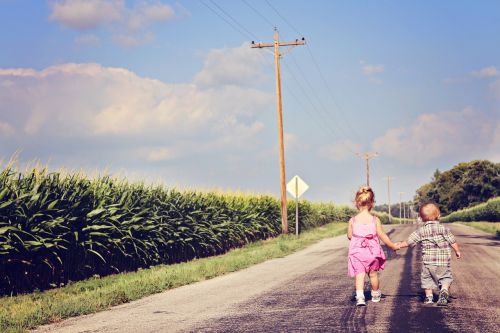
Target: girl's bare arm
{"type": "Point", "coordinates": [349, 230]}
{"type": "Point", "coordinates": [384, 238]}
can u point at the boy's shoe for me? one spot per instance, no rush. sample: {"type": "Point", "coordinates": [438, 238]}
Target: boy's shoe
{"type": "Point", "coordinates": [428, 299]}
{"type": "Point", "coordinates": [360, 301]}
{"type": "Point", "coordinates": [376, 296]}
{"type": "Point", "coordinates": [443, 297]}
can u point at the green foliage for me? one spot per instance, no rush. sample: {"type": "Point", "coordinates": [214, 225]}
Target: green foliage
{"type": "Point", "coordinates": [58, 228]}
{"type": "Point", "coordinates": [465, 185]}
{"type": "Point", "coordinates": [23, 312]}
{"type": "Point", "coordinates": [487, 211]}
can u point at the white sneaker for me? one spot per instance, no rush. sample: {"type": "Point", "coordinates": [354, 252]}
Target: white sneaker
{"type": "Point", "coordinates": [360, 301]}
{"type": "Point", "coordinates": [376, 296]}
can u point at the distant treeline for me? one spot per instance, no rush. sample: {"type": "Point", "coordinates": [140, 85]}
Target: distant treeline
{"type": "Point", "coordinates": [465, 185]}
{"type": "Point", "coordinates": [488, 211]}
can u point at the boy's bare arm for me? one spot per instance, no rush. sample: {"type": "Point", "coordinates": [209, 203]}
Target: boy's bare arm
{"type": "Point", "coordinates": [455, 248]}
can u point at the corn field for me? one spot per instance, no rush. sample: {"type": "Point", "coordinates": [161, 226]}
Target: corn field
{"type": "Point", "coordinates": [57, 228]}
{"type": "Point", "coordinates": [486, 211]}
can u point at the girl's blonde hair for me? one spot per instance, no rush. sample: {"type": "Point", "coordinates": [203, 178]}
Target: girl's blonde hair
{"type": "Point", "coordinates": [365, 197]}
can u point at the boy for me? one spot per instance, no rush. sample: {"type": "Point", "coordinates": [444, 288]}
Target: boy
{"type": "Point", "coordinates": [436, 254]}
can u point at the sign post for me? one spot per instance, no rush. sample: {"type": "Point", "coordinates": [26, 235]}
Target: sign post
{"type": "Point", "coordinates": [296, 187]}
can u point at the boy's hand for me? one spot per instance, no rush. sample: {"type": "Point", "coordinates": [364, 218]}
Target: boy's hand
{"type": "Point", "coordinates": [458, 254]}
{"type": "Point", "coordinates": [397, 246]}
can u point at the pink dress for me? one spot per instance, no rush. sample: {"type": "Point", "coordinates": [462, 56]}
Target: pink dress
{"type": "Point", "coordinates": [365, 252]}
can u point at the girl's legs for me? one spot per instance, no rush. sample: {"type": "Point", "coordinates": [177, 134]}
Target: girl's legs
{"type": "Point", "coordinates": [360, 283]}
{"type": "Point", "coordinates": [374, 280]}
{"type": "Point", "coordinates": [376, 295]}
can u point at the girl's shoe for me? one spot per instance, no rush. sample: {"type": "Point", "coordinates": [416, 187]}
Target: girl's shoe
{"type": "Point", "coordinates": [428, 299]}
{"type": "Point", "coordinates": [376, 296]}
{"type": "Point", "coordinates": [360, 301]}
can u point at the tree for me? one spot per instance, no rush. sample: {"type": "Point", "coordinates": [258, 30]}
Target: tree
{"type": "Point", "coordinates": [466, 184]}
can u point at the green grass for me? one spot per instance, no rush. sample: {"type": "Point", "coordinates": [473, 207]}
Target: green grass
{"type": "Point", "coordinates": [489, 227]}
{"type": "Point", "coordinates": [23, 312]}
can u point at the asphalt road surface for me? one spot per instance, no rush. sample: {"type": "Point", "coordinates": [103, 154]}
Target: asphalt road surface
{"type": "Point", "coordinates": [309, 291]}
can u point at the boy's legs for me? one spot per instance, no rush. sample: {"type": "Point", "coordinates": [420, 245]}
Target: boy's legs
{"type": "Point", "coordinates": [445, 278]}
{"type": "Point", "coordinates": [427, 281]}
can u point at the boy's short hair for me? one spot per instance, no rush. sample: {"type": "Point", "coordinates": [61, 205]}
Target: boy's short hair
{"type": "Point", "coordinates": [429, 212]}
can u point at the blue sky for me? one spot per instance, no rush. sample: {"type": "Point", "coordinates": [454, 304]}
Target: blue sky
{"type": "Point", "coordinates": [171, 92]}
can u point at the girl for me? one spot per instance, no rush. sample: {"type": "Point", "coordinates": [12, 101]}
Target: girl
{"type": "Point", "coordinates": [365, 253]}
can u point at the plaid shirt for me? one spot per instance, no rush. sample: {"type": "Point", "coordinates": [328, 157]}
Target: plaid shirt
{"type": "Point", "coordinates": [436, 240]}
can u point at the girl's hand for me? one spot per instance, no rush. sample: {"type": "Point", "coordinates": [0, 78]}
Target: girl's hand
{"type": "Point", "coordinates": [397, 246]}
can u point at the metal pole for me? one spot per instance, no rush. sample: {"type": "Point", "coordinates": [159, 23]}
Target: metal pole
{"type": "Point", "coordinates": [296, 207]}
{"type": "Point", "coordinates": [400, 209]}
{"type": "Point", "coordinates": [404, 210]}
{"type": "Point", "coordinates": [389, 197]}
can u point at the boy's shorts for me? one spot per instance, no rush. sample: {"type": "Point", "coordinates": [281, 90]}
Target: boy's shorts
{"type": "Point", "coordinates": [433, 277]}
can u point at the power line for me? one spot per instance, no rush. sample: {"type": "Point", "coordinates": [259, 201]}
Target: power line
{"type": "Point", "coordinates": [344, 118]}
{"type": "Point", "coordinates": [320, 102]}
{"type": "Point", "coordinates": [304, 92]}
{"type": "Point", "coordinates": [325, 81]}
{"type": "Point", "coordinates": [259, 13]}
{"type": "Point", "coordinates": [283, 18]}
{"type": "Point", "coordinates": [243, 31]}
{"type": "Point", "coordinates": [236, 25]}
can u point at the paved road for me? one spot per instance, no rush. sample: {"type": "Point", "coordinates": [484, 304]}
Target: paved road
{"type": "Point", "coordinates": [309, 291]}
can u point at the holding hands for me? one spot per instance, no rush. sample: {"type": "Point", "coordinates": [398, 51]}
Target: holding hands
{"type": "Point", "coordinates": [399, 245]}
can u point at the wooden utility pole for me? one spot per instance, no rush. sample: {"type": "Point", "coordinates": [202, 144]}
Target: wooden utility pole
{"type": "Point", "coordinates": [401, 204]}
{"type": "Point", "coordinates": [367, 156]}
{"type": "Point", "coordinates": [277, 56]}
{"type": "Point", "coordinates": [389, 196]}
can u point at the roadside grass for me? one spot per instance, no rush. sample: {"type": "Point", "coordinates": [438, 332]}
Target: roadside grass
{"type": "Point", "coordinates": [23, 312]}
{"type": "Point", "coordinates": [489, 227]}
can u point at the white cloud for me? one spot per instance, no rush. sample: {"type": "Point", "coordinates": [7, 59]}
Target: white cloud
{"type": "Point", "coordinates": [236, 66]}
{"type": "Point", "coordinates": [145, 14]}
{"type": "Point", "coordinates": [494, 88]}
{"type": "Point", "coordinates": [92, 102]}
{"type": "Point", "coordinates": [293, 143]}
{"type": "Point", "coordinates": [369, 70]}
{"type": "Point", "coordinates": [160, 154]}
{"type": "Point", "coordinates": [486, 72]}
{"type": "Point", "coordinates": [129, 25]}
{"type": "Point", "coordinates": [340, 150]}
{"type": "Point", "coordinates": [86, 14]}
{"type": "Point", "coordinates": [6, 129]}
{"type": "Point", "coordinates": [130, 40]}
{"type": "Point", "coordinates": [435, 135]}
{"type": "Point", "coordinates": [88, 39]}
{"type": "Point", "coordinates": [372, 71]}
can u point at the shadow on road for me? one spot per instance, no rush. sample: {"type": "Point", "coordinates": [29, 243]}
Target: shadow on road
{"type": "Point", "coordinates": [409, 314]}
